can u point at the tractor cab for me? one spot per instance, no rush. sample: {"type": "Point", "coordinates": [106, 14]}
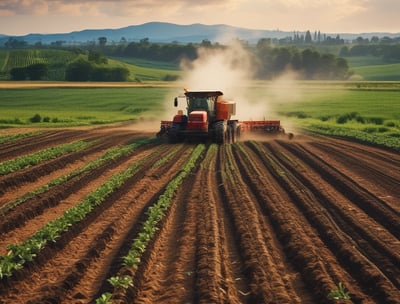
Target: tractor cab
{"type": "Point", "coordinates": [202, 101]}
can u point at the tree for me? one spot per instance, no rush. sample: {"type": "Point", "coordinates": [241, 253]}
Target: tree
{"type": "Point", "coordinates": [308, 38]}
{"type": "Point", "coordinates": [205, 43]}
{"type": "Point", "coordinates": [297, 62]}
{"type": "Point", "coordinates": [310, 62]}
{"type": "Point", "coordinates": [35, 118]}
{"type": "Point", "coordinates": [97, 57]}
{"type": "Point", "coordinates": [37, 71]}
{"type": "Point", "coordinates": [119, 74]}
{"type": "Point", "coordinates": [264, 43]}
{"type": "Point", "coordinates": [102, 41]}
{"type": "Point", "coordinates": [327, 66]}
{"type": "Point", "coordinates": [281, 59]}
{"type": "Point", "coordinates": [18, 73]}
{"type": "Point", "coordinates": [342, 68]}
{"type": "Point", "coordinates": [375, 39]}
{"type": "Point", "coordinates": [109, 74]}
{"type": "Point", "coordinates": [14, 43]}
{"type": "Point", "coordinates": [145, 41]}
{"type": "Point", "coordinates": [344, 51]}
{"type": "Point", "coordinates": [79, 70]}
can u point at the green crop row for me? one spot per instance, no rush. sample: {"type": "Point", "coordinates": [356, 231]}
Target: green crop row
{"type": "Point", "coordinates": [369, 135]}
{"type": "Point", "coordinates": [14, 137]}
{"type": "Point", "coordinates": [166, 158]}
{"type": "Point", "coordinates": [111, 154]}
{"type": "Point", "coordinates": [155, 214]}
{"type": "Point", "coordinates": [40, 156]}
{"type": "Point", "coordinates": [19, 254]}
{"type": "Point", "coordinates": [23, 58]}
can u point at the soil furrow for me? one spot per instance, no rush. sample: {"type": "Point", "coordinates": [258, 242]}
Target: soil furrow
{"type": "Point", "coordinates": [335, 237]}
{"type": "Point", "coordinates": [166, 274]}
{"type": "Point", "coordinates": [376, 154]}
{"type": "Point", "coordinates": [119, 213]}
{"type": "Point", "coordinates": [212, 259]}
{"type": "Point", "coordinates": [55, 204]}
{"type": "Point", "coordinates": [368, 170]}
{"type": "Point", "coordinates": [15, 184]}
{"type": "Point", "coordinates": [266, 284]}
{"type": "Point", "coordinates": [300, 242]}
{"type": "Point", "coordinates": [375, 207]}
{"type": "Point", "coordinates": [39, 142]}
{"type": "Point", "coordinates": [272, 221]}
{"type": "Point", "coordinates": [377, 244]}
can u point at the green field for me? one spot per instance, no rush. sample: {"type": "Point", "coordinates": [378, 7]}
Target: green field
{"type": "Point", "coordinates": [379, 72]}
{"type": "Point", "coordinates": [141, 73]}
{"type": "Point", "coordinates": [373, 68]}
{"type": "Point", "coordinates": [367, 111]}
{"type": "Point", "coordinates": [79, 106]}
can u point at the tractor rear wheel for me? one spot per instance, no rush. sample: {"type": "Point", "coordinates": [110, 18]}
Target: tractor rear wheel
{"type": "Point", "coordinates": [233, 128]}
{"type": "Point", "coordinates": [220, 132]}
{"type": "Point", "coordinates": [173, 135]}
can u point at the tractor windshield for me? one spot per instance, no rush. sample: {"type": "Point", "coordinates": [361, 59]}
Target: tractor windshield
{"type": "Point", "coordinates": [201, 103]}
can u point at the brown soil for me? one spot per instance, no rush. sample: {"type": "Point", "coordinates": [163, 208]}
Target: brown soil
{"type": "Point", "coordinates": [262, 221]}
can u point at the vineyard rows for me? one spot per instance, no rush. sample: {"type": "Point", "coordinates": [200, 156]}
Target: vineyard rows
{"type": "Point", "coordinates": [56, 60]}
{"type": "Point", "coordinates": [116, 216]}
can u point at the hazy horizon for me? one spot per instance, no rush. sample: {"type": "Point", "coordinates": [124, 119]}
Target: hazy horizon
{"type": "Point", "coordinates": [21, 17]}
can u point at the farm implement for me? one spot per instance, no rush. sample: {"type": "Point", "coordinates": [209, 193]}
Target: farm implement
{"type": "Point", "coordinates": [209, 118]}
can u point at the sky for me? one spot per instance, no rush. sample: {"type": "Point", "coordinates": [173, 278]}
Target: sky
{"type": "Point", "coordinates": [20, 17]}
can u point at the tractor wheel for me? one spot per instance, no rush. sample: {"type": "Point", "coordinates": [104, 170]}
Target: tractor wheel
{"type": "Point", "coordinates": [229, 134]}
{"type": "Point", "coordinates": [173, 135]}
{"type": "Point", "coordinates": [233, 131]}
{"type": "Point", "coordinates": [238, 130]}
{"type": "Point", "coordinates": [220, 132]}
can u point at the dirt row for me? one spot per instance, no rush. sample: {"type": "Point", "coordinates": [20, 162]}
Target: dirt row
{"type": "Point", "coordinates": [266, 221]}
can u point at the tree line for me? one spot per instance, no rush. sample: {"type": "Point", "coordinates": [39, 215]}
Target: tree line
{"type": "Point", "coordinates": [388, 52]}
{"type": "Point", "coordinates": [269, 60]}
{"type": "Point", "coordinates": [308, 63]}
{"type": "Point", "coordinates": [94, 68]}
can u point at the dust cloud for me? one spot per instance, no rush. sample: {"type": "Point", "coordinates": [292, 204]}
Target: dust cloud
{"type": "Point", "coordinates": [228, 69]}
{"type": "Point", "coordinates": [231, 69]}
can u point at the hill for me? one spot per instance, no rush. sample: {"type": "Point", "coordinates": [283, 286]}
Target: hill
{"type": "Point", "coordinates": [170, 32]}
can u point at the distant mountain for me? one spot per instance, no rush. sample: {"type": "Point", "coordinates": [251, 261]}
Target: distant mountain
{"type": "Point", "coordinates": [169, 32]}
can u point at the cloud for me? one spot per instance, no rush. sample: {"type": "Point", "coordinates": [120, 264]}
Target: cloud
{"type": "Point", "coordinates": [332, 16]}
{"type": "Point", "coordinates": [23, 7]}
{"type": "Point", "coordinates": [377, 15]}
{"type": "Point", "coordinates": [106, 7]}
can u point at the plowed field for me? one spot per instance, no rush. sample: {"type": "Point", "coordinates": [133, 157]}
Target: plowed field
{"type": "Point", "coordinates": [260, 221]}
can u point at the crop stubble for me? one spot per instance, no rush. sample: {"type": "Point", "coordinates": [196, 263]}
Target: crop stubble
{"type": "Point", "coordinates": [256, 222]}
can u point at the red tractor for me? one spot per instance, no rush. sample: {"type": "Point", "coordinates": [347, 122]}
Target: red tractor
{"type": "Point", "coordinates": [209, 118]}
